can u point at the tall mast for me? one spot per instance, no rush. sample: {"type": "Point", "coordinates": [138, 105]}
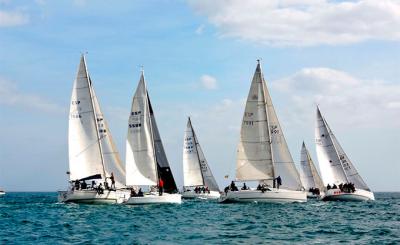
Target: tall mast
{"type": "Point", "coordinates": [269, 128]}
{"type": "Point", "coordinates": [197, 151]}
{"type": "Point", "coordinates": [95, 117]}
{"type": "Point", "coordinates": [151, 128]}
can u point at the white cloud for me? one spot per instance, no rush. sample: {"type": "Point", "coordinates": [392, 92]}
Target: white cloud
{"type": "Point", "coordinates": [208, 82]}
{"type": "Point", "coordinates": [303, 22]}
{"type": "Point", "coordinates": [10, 95]}
{"type": "Point", "coordinates": [350, 100]}
{"type": "Point", "coordinates": [12, 18]}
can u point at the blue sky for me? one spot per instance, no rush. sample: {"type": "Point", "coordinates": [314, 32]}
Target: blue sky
{"type": "Point", "coordinates": [199, 58]}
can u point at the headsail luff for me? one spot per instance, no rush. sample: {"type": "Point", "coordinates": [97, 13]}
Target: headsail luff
{"type": "Point", "coordinates": [308, 173]}
{"type": "Point", "coordinates": [348, 171]}
{"type": "Point", "coordinates": [163, 168]}
{"type": "Point", "coordinates": [111, 158]}
{"type": "Point", "coordinates": [282, 159]}
{"type": "Point", "coordinates": [141, 166]}
{"type": "Point", "coordinates": [195, 163]}
{"type": "Point", "coordinates": [85, 158]}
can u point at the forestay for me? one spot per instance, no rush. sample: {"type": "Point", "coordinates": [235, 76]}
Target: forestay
{"type": "Point", "coordinates": [282, 159]}
{"type": "Point", "coordinates": [111, 158]}
{"type": "Point", "coordinates": [141, 166]}
{"type": "Point", "coordinates": [330, 165]}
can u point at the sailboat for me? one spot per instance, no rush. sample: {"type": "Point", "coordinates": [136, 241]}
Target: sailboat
{"type": "Point", "coordinates": [92, 154]}
{"type": "Point", "coordinates": [146, 162]}
{"type": "Point", "coordinates": [263, 154]}
{"type": "Point", "coordinates": [338, 172]}
{"type": "Point", "coordinates": [198, 179]}
{"type": "Point", "coordinates": [309, 176]}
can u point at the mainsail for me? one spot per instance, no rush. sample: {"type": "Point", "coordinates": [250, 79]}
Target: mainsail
{"type": "Point", "coordinates": [146, 161]}
{"type": "Point", "coordinates": [263, 153]}
{"type": "Point", "coordinates": [335, 166]}
{"type": "Point", "coordinates": [308, 173]}
{"type": "Point", "coordinates": [91, 148]}
{"type": "Point", "coordinates": [141, 166]}
{"type": "Point", "coordinates": [196, 171]}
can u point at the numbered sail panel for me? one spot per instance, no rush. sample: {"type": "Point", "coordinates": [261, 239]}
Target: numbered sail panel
{"type": "Point", "coordinates": [140, 161]}
{"type": "Point", "coordinates": [192, 173]}
{"type": "Point", "coordinates": [282, 159]}
{"type": "Point", "coordinates": [83, 146]}
{"type": "Point", "coordinates": [351, 172]}
{"type": "Point", "coordinates": [330, 166]}
{"type": "Point", "coordinates": [254, 159]}
{"type": "Point", "coordinates": [111, 158]}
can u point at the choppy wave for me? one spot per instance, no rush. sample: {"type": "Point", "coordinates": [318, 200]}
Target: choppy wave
{"type": "Point", "coordinates": [31, 218]}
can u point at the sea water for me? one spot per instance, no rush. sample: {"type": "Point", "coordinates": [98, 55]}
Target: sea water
{"type": "Point", "coordinates": [37, 218]}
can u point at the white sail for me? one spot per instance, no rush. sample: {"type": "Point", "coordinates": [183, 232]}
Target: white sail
{"type": "Point", "coordinates": [330, 165]}
{"type": "Point", "coordinates": [195, 167]}
{"type": "Point", "coordinates": [254, 157]}
{"type": "Point", "coordinates": [192, 175]}
{"type": "Point", "coordinates": [85, 157]}
{"type": "Point", "coordinates": [140, 163]}
{"type": "Point", "coordinates": [308, 173]}
{"type": "Point", "coordinates": [349, 169]}
{"type": "Point", "coordinates": [282, 159]}
{"type": "Point", "coordinates": [111, 158]}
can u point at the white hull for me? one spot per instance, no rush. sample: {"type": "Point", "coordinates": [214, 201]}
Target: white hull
{"type": "Point", "coordinates": [272, 196]}
{"type": "Point", "coordinates": [310, 195]}
{"type": "Point", "coordinates": [193, 195]}
{"type": "Point", "coordinates": [154, 198]}
{"type": "Point", "coordinates": [92, 197]}
{"type": "Point", "coordinates": [357, 196]}
{"type": "Point", "coordinates": [2, 193]}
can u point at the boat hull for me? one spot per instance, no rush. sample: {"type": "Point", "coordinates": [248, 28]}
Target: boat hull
{"type": "Point", "coordinates": [213, 195]}
{"type": "Point", "coordinates": [357, 196]}
{"type": "Point", "coordinates": [155, 198]}
{"type": "Point", "coordinates": [310, 195]}
{"type": "Point", "coordinates": [269, 196]}
{"type": "Point", "coordinates": [2, 193]}
{"type": "Point", "coordinates": [92, 197]}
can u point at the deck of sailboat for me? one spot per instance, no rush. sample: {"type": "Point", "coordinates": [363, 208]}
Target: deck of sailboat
{"type": "Point", "coordinates": [154, 198]}
{"type": "Point", "coordinates": [272, 195]}
{"type": "Point", "coordinates": [93, 197]}
{"type": "Point", "coordinates": [213, 195]}
{"type": "Point", "coordinates": [357, 196]}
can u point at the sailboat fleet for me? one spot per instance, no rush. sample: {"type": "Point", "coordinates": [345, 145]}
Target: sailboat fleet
{"type": "Point", "coordinates": [97, 174]}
